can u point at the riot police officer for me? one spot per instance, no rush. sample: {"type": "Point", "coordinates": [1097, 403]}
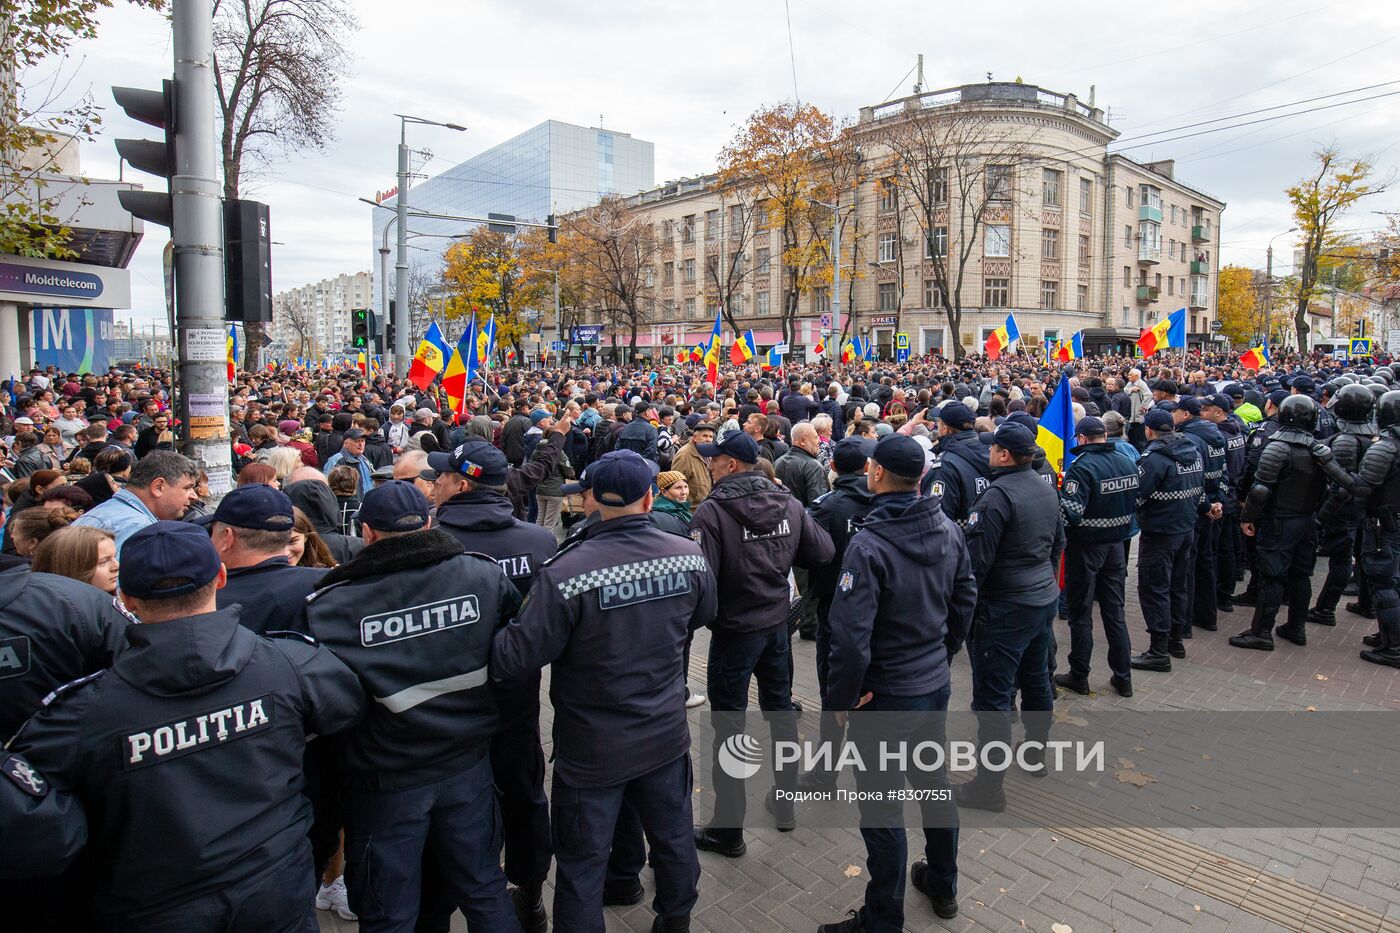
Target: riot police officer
{"type": "Point", "coordinates": [187, 754]}
{"type": "Point", "coordinates": [611, 613]}
{"type": "Point", "coordinates": [1341, 522]}
{"type": "Point", "coordinates": [1258, 437]}
{"type": "Point", "coordinates": [1171, 493]}
{"type": "Point", "coordinates": [413, 615]}
{"type": "Point", "coordinates": [1099, 501]}
{"type": "Point", "coordinates": [1279, 511]}
{"type": "Point", "coordinates": [1211, 443]}
{"type": "Point", "coordinates": [959, 472]}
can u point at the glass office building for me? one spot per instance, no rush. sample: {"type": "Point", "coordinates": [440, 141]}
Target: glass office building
{"type": "Point", "coordinates": [550, 169]}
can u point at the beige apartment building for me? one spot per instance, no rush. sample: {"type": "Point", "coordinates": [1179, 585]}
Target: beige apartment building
{"type": "Point", "coordinates": [323, 311]}
{"type": "Point", "coordinates": [1007, 188]}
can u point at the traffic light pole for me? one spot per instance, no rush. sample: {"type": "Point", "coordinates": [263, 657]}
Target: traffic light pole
{"type": "Point", "coordinates": [201, 376]}
{"type": "Point", "coordinates": [402, 354]}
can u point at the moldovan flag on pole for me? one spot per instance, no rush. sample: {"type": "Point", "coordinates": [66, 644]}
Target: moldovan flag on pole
{"type": "Point", "coordinates": [712, 354]}
{"type": "Point", "coordinates": [772, 360]}
{"type": "Point", "coordinates": [1072, 349]}
{"type": "Point", "coordinates": [848, 352]}
{"type": "Point", "coordinates": [744, 349]}
{"type": "Point", "coordinates": [232, 351]}
{"type": "Point", "coordinates": [1003, 337]}
{"type": "Point", "coordinates": [820, 348]}
{"type": "Point", "coordinates": [361, 363]}
{"type": "Point", "coordinates": [461, 369]}
{"type": "Point", "coordinates": [430, 358]}
{"type": "Point", "coordinates": [1168, 332]}
{"type": "Point", "coordinates": [486, 341]}
{"type": "Point", "coordinates": [1055, 432]}
{"type": "Point", "coordinates": [1255, 358]}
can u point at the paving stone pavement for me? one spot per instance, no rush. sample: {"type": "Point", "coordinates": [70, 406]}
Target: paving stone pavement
{"type": "Point", "coordinates": [1046, 879]}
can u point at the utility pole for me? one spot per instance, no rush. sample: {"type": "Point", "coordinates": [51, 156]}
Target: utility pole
{"type": "Point", "coordinates": [197, 231]}
{"type": "Point", "coordinates": [401, 336]}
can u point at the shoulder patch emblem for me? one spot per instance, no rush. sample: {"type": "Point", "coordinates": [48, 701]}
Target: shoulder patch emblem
{"type": "Point", "coordinates": [972, 519]}
{"type": "Point", "coordinates": [1071, 487]}
{"type": "Point", "coordinates": [695, 534]}
{"type": "Point", "coordinates": [847, 581]}
{"type": "Point", "coordinates": [937, 488]}
{"type": "Point", "coordinates": [23, 775]}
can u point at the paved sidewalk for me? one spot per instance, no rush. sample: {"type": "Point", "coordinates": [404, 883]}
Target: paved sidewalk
{"type": "Point", "coordinates": [1046, 879]}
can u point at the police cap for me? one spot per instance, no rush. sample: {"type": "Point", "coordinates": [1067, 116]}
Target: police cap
{"type": "Point", "coordinates": [1159, 421]}
{"type": "Point", "coordinates": [621, 477]}
{"type": "Point", "coordinates": [395, 506]}
{"type": "Point", "coordinates": [850, 454]}
{"type": "Point", "coordinates": [476, 459]}
{"type": "Point", "coordinates": [256, 506]}
{"type": "Point", "coordinates": [1015, 438]}
{"type": "Point", "coordinates": [901, 455]}
{"type": "Point", "coordinates": [166, 560]}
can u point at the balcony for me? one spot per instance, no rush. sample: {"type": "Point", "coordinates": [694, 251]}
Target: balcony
{"type": "Point", "coordinates": [1150, 213]}
{"type": "Point", "coordinates": [1149, 255]}
{"type": "Point", "coordinates": [1146, 293]}
{"type": "Point", "coordinates": [1200, 234]}
{"type": "Point", "coordinates": [1200, 267]}
{"type": "Point", "coordinates": [1198, 301]}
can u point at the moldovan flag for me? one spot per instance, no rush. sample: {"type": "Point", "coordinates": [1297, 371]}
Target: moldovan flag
{"type": "Point", "coordinates": [1255, 358]}
{"type": "Point", "coordinates": [712, 354]}
{"type": "Point", "coordinates": [1169, 332]}
{"type": "Point", "coordinates": [486, 341]}
{"type": "Point", "coordinates": [772, 360]}
{"type": "Point", "coordinates": [1072, 349]}
{"type": "Point", "coordinates": [744, 349]}
{"type": "Point", "coordinates": [461, 369]}
{"type": "Point", "coordinates": [1055, 432]}
{"type": "Point", "coordinates": [232, 352]}
{"type": "Point", "coordinates": [820, 348]}
{"type": "Point", "coordinates": [430, 358]}
{"type": "Point", "coordinates": [361, 363]}
{"type": "Point", "coordinates": [697, 352]}
{"type": "Point", "coordinates": [848, 352]}
{"type": "Point", "coordinates": [1003, 337]}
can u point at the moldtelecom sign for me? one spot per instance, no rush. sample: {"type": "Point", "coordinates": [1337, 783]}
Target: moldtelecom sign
{"type": "Point", "coordinates": [32, 281]}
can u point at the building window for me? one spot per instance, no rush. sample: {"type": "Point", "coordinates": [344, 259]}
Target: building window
{"type": "Point", "coordinates": [1083, 247]}
{"type": "Point", "coordinates": [1130, 199]}
{"type": "Point", "coordinates": [761, 260]}
{"type": "Point", "coordinates": [668, 273]}
{"type": "Point", "coordinates": [736, 220]}
{"type": "Point", "coordinates": [889, 296]}
{"type": "Point", "coordinates": [688, 228]}
{"type": "Point", "coordinates": [711, 225]}
{"type": "Point", "coordinates": [1198, 291]}
{"type": "Point", "coordinates": [933, 294]}
{"type": "Point", "coordinates": [690, 270]}
{"type": "Point", "coordinates": [1086, 195]}
{"type": "Point", "coordinates": [760, 303]}
{"type": "Point", "coordinates": [1050, 186]}
{"type": "Point", "coordinates": [1049, 295]}
{"type": "Point", "coordinates": [998, 241]}
{"type": "Point", "coordinates": [690, 307]}
{"type": "Point", "coordinates": [887, 246]}
{"type": "Point", "coordinates": [887, 190]}
{"type": "Point", "coordinates": [760, 217]}
{"type": "Point", "coordinates": [712, 269]}
{"type": "Point", "coordinates": [1171, 285]}
{"type": "Point", "coordinates": [996, 293]}
{"type": "Point", "coordinates": [1049, 244]}
{"type": "Point", "coordinates": [1125, 315]}
{"type": "Point", "coordinates": [1082, 298]}
{"type": "Point", "coordinates": [666, 231]}
{"type": "Point", "coordinates": [1050, 335]}
{"type": "Point", "coordinates": [670, 309]}
{"type": "Point", "coordinates": [938, 185]}
{"type": "Point", "coordinates": [651, 276]}
{"type": "Point", "coordinates": [937, 244]}
{"type": "Point", "coordinates": [821, 301]}
{"type": "Point", "coordinates": [1127, 276]}
{"type": "Point", "coordinates": [1128, 237]}
{"type": "Point", "coordinates": [998, 182]}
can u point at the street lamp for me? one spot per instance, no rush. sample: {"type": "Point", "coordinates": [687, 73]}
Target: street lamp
{"type": "Point", "coordinates": [1269, 281]}
{"type": "Point", "coordinates": [835, 264]}
{"type": "Point", "coordinates": [401, 334]}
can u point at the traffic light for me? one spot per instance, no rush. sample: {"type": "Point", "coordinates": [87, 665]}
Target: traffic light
{"type": "Point", "coordinates": [359, 329]}
{"type": "Point", "coordinates": [154, 108]}
{"type": "Point", "coordinates": [389, 328]}
{"type": "Point", "coordinates": [553, 229]}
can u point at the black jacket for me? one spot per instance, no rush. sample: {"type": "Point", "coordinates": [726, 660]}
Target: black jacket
{"type": "Point", "coordinates": [803, 475]}
{"type": "Point", "coordinates": [271, 595]}
{"type": "Point", "coordinates": [1211, 443]}
{"type": "Point", "coordinates": [413, 617]}
{"type": "Point", "coordinates": [903, 604]}
{"type": "Point", "coordinates": [752, 533]}
{"type": "Point", "coordinates": [959, 473]}
{"type": "Point", "coordinates": [187, 756]}
{"type": "Point", "coordinates": [829, 406]}
{"type": "Point", "coordinates": [51, 822]}
{"type": "Point", "coordinates": [1171, 486]}
{"type": "Point", "coordinates": [1015, 535]}
{"type": "Point", "coordinates": [315, 498]}
{"type": "Point", "coordinates": [1099, 494]}
{"type": "Point", "coordinates": [483, 521]}
{"type": "Point", "coordinates": [52, 630]}
{"type": "Point", "coordinates": [796, 407]}
{"type": "Point", "coordinates": [840, 513]}
{"type": "Point", "coordinates": [1291, 478]}
{"type": "Point", "coordinates": [513, 438]}
{"type": "Point", "coordinates": [1233, 431]}
{"type": "Point", "coordinates": [377, 452]}
{"type": "Point", "coordinates": [611, 614]}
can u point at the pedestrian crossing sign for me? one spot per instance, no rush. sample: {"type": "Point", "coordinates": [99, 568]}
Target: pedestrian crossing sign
{"type": "Point", "coordinates": [1361, 346]}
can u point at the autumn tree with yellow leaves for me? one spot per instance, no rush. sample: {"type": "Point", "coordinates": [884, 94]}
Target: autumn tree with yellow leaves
{"type": "Point", "coordinates": [607, 254]}
{"type": "Point", "coordinates": [1238, 304]}
{"type": "Point", "coordinates": [482, 275]}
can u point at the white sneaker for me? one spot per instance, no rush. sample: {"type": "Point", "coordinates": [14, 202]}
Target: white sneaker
{"type": "Point", "coordinates": [334, 897]}
{"type": "Point", "coordinates": [694, 700]}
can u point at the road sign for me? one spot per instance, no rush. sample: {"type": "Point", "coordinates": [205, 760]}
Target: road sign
{"type": "Point", "coordinates": [902, 355]}
{"type": "Point", "coordinates": [1361, 347]}
{"type": "Point", "coordinates": [1340, 354]}
{"type": "Point", "coordinates": [826, 322]}
{"type": "Point", "coordinates": [781, 349]}
{"type": "Point", "coordinates": [557, 346]}
{"type": "Point", "coordinates": [901, 341]}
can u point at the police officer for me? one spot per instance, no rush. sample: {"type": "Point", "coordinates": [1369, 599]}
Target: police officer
{"type": "Point", "coordinates": [1378, 484]}
{"type": "Point", "coordinates": [187, 754]}
{"type": "Point", "coordinates": [1099, 500]}
{"type": "Point", "coordinates": [1279, 511]}
{"type": "Point", "coordinates": [611, 613]}
{"type": "Point", "coordinates": [412, 615]}
{"type": "Point", "coordinates": [1211, 443]}
{"type": "Point", "coordinates": [251, 529]}
{"type": "Point", "coordinates": [752, 533]}
{"type": "Point", "coordinates": [1218, 409]}
{"type": "Point", "coordinates": [51, 822]}
{"type": "Point", "coordinates": [1258, 437]}
{"type": "Point", "coordinates": [1171, 493]}
{"type": "Point", "coordinates": [840, 513]}
{"type": "Point", "coordinates": [1340, 523]}
{"type": "Point", "coordinates": [960, 471]}
{"type": "Point", "coordinates": [1015, 535]}
{"type": "Point", "coordinates": [903, 605]}
{"type": "Point", "coordinates": [469, 489]}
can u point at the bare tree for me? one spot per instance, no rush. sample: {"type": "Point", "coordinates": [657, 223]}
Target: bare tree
{"type": "Point", "coordinates": [277, 70]}
{"type": "Point", "coordinates": [727, 268]}
{"type": "Point", "coordinates": [613, 251]}
{"type": "Point", "coordinates": [301, 317]}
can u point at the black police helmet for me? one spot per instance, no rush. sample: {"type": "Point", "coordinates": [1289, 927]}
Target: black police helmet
{"type": "Point", "coordinates": [1345, 379]}
{"type": "Point", "coordinates": [1333, 386]}
{"type": "Point", "coordinates": [1354, 404]}
{"type": "Point", "coordinates": [1298, 411]}
{"type": "Point", "coordinates": [1377, 388]}
{"type": "Point", "coordinates": [1385, 375]}
{"type": "Point", "coordinates": [1388, 409]}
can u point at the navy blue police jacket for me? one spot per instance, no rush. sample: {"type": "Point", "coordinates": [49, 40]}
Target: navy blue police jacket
{"type": "Point", "coordinates": [1171, 486]}
{"type": "Point", "coordinates": [904, 601]}
{"type": "Point", "coordinates": [1015, 536]}
{"type": "Point", "coordinates": [271, 595]}
{"type": "Point", "coordinates": [52, 630]}
{"type": "Point", "coordinates": [753, 532]}
{"type": "Point", "coordinates": [1211, 443]}
{"type": "Point", "coordinates": [610, 613]}
{"type": "Point", "coordinates": [840, 513]}
{"type": "Point", "coordinates": [960, 472]}
{"type": "Point", "coordinates": [413, 616]}
{"type": "Point", "coordinates": [1232, 429]}
{"type": "Point", "coordinates": [1099, 494]}
{"type": "Point", "coordinates": [187, 756]}
{"type": "Point", "coordinates": [51, 822]}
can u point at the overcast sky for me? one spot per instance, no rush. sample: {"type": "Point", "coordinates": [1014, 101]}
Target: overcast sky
{"type": "Point", "coordinates": [684, 74]}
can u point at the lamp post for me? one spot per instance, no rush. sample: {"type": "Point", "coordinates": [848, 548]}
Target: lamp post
{"type": "Point", "coordinates": [1269, 283]}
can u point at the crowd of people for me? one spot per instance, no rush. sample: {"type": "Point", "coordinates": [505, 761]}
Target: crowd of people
{"type": "Point", "coordinates": [231, 698]}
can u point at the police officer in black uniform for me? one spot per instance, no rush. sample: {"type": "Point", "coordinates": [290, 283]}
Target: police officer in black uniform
{"type": "Point", "coordinates": [1218, 409]}
{"type": "Point", "coordinates": [469, 489]}
{"type": "Point", "coordinates": [1171, 493]}
{"type": "Point", "coordinates": [1378, 486]}
{"type": "Point", "coordinates": [1099, 501]}
{"type": "Point", "coordinates": [1259, 435]}
{"type": "Point", "coordinates": [187, 754]}
{"type": "Point", "coordinates": [1340, 523]}
{"type": "Point", "coordinates": [1211, 443]}
{"type": "Point", "coordinates": [413, 615]}
{"type": "Point", "coordinates": [1279, 512]}
{"type": "Point", "coordinates": [51, 822]}
{"type": "Point", "coordinates": [959, 472]}
{"type": "Point", "coordinates": [251, 529]}
{"type": "Point", "coordinates": [611, 614]}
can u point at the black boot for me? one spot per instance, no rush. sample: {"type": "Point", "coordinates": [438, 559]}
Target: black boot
{"type": "Point", "coordinates": [1259, 637]}
{"type": "Point", "coordinates": [1034, 756]}
{"type": "Point", "coordinates": [720, 842]}
{"type": "Point", "coordinates": [1373, 640]}
{"type": "Point", "coordinates": [1079, 685]}
{"type": "Point", "coordinates": [528, 901]}
{"type": "Point", "coordinates": [1155, 658]}
{"type": "Point", "coordinates": [1123, 685]}
{"type": "Point", "coordinates": [623, 894]}
{"type": "Point", "coordinates": [783, 817]}
{"type": "Point", "coordinates": [945, 906]}
{"type": "Point", "coordinates": [1319, 616]}
{"type": "Point", "coordinates": [1389, 652]}
{"type": "Point", "coordinates": [981, 793]}
{"type": "Point", "coordinates": [1176, 647]}
{"type": "Point", "coordinates": [1249, 597]}
{"type": "Point", "coordinates": [1296, 634]}
{"type": "Point", "coordinates": [679, 924]}
{"type": "Point", "coordinates": [1357, 609]}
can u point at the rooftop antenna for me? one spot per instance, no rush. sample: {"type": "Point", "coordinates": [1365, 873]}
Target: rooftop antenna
{"type": "Point", "coordinates": [919, 79]}
{"type": "Point", "coordinates": [989, 77]}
